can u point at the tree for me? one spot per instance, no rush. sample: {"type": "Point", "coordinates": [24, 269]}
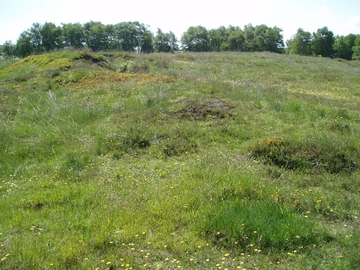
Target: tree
{"type": "Point", "coordinates": [146, 40]}
{"type": "Point", "coordinates": [268, 39]}
{"type": "Point", "coordinates": [273, 40]}
{"type": "Point", "coordinates": [217, 39]}
{"type": "Point", "coordinates": [260, 35]}
{"type": "Point", "coordinates": [165, 42]}
{"type": "Point", "coordinates": [236, 40]}
{"type": "Point", "coordinates": [356, 49]}
{"type": "Point", "coordinates": [323, 42]}
{"type": "Point", "coordinates": [127, 34]}
{"type": "Point", "coordinates": [73, 35]}
{"type": "Point", "coordinates": [250, 40]}
{"type": "Point", "coordinates": [343, 46]}
{"type": "Point", "coordinates": [24, 46]}
{"type": "Point", "coordinates": [52, 37]}
{"type": "Point", "coordinates": [8, 48]}
{"type": "Point", "coordinates": [96, 36]}
{"type": "Point", "coordinates": [111, 37]}
{"type": "Point", "coordinates": [195, 39]}
{"type": "Point", "coordinates": [300, 43]}
{"type": "Point", "coordinates": [173, 41]}
{"type": "Point", "coordinates": [36, 37]}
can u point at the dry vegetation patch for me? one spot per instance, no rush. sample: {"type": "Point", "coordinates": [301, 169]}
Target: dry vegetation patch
{"type": "Point", "coordinates": [203, 109]}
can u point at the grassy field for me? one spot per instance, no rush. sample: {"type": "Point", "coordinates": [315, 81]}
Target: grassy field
{"type": "Point", "coordinates": [179, 161]}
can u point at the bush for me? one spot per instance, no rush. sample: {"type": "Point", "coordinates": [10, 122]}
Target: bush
{"type": "Point", "coordinates": [179, 141]}
{"type": "Point", "coordinates": [324, 154]}
{"type": "Point", "coordinates": [128, 142]}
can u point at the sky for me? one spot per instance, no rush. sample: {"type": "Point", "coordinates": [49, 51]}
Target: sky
{"type": "Point", "coordinates": [341, 17]}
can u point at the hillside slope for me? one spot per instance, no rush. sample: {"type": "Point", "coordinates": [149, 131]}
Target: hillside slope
{"type": "Point", "coordinates": [193, 161]}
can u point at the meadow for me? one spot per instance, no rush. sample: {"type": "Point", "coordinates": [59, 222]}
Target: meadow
{"type": "Point", "coordinates": [179, 161]}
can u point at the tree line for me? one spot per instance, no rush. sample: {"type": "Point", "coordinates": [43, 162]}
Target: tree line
{"type": "Point", "coordinates": [324, 43]}
{"type": "Point", "coordinates": [136, 37]}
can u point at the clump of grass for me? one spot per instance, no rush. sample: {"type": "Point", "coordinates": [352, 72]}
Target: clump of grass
{"type": "Point", "coordinates": [179, 141]}
{"type": "Point", "coordinates": [132, 141]}
{"type": "Point", "coordinates": [75, 166]}
{"type": "Point", "coordinates": [258, 225]}
{"type": "Point", "coordinates": [128, 142]}
{"type": "Point", "coordinates": [123, 67]}
{"type": "Point", "coordinates": [321, 154]}
{"type": "Point", "coordinates": [139, 65]}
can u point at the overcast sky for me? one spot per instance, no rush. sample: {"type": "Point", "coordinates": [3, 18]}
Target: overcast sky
{"type": "Point", "coordinates": [341, 17]}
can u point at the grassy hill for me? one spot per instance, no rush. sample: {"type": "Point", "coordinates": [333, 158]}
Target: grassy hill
{"type": "Point", "coordinates": [189, 161]}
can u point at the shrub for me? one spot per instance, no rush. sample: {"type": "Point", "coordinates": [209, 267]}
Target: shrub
{"type": "Point", "coordinates": [179, 141]}
{"type": "Point", "coordinates": [127, 142]}
{"type": "Point", "coordinates": [325, 154]}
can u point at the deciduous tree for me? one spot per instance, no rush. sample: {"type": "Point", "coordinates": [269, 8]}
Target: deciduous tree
{"type": "Point", "coordinates": [195, 39]}
{"type": "Point", "coordinates": [323, 42]}
{"type": "Point", "coordinates": [8, 48]}
{"type": "Point", "coordinates": [343, 46]}
{"type": "Point", "coordinates": [36, 37]}
{"type": "Point", "coordinates": [300, 43]}
{"type": "Point", "coordinates": [236, 39]}
{"type": "Point", "coordinates": [73, 35]}
{"type": "Point", "coordinates": [165, 42]}
{"type": "Point", "coordinates": [250, 40]}
{"type": "Point", "coordinates": [356, 49]}
{"type": "Point", "coordinates": [217, 39]}
{"type": "Point", "coordinates": [52, 37]}
{"type": "Point", "coordinates": [96, 36]}
{"type": "Point", "coordinates": [24, 46]}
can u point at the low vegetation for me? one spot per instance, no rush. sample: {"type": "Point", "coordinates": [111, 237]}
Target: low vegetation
{"type": "Point", "coordinates": [120, 160]}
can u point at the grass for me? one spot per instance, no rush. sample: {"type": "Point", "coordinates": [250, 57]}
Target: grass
{"type": "Point", "coordinates": [190, 161]}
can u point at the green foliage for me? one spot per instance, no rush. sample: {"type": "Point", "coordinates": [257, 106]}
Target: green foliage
{"type": "Point", "coordinates": [343, 46]}
{"type": "Point", "coordinates": [95, 36]}
{"type": "Point", "coordinates": [260, 226]}
{"type": "Point", "coordinates": [132, 36]}
{"type": "Point", "coordinates": [74, 166]}
{"type": "Point", "coordinates": [323, 42]}
{"type": "Point", "coordinates": [218, 37]}
{"type": "Point", "coordinates": [52, 37]}
{"type": "Point", "coordinates": [24, 45]}
{"type": "Point", "coordinates": [8, 48]}
{"type": "Point", "coordinates": [236, 40]}
{"type": "Point", "coordinates": [36, 37]}
{"type": "Point", "coordinates": [195, 39]}
{"type": "Point", "coordinates": [300, 43]}
{"type": "Point", "coordinates": [324, 154]}
{"type": "Point", "coordinates": [73, 35]}
{"type": "Point", "coordinates": [179, 141]}
{"type": "Point", "coordinates": [268, 39]}
{"type": "Point", "coordinates": [123, 67]}
{"type": "Point", "coordinates": [165, 42]}
{"type": "Point", "coordinates": [135, 36]}
{"type": "Point", "coordinates": [258, 38]}
{"type": "Point", "coordinates": [128, 142]}
{"type": "Point", "coordinates": [356, 49]}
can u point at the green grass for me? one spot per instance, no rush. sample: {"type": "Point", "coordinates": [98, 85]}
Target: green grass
{"type": "Point", "coordinates": [190, 161]}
